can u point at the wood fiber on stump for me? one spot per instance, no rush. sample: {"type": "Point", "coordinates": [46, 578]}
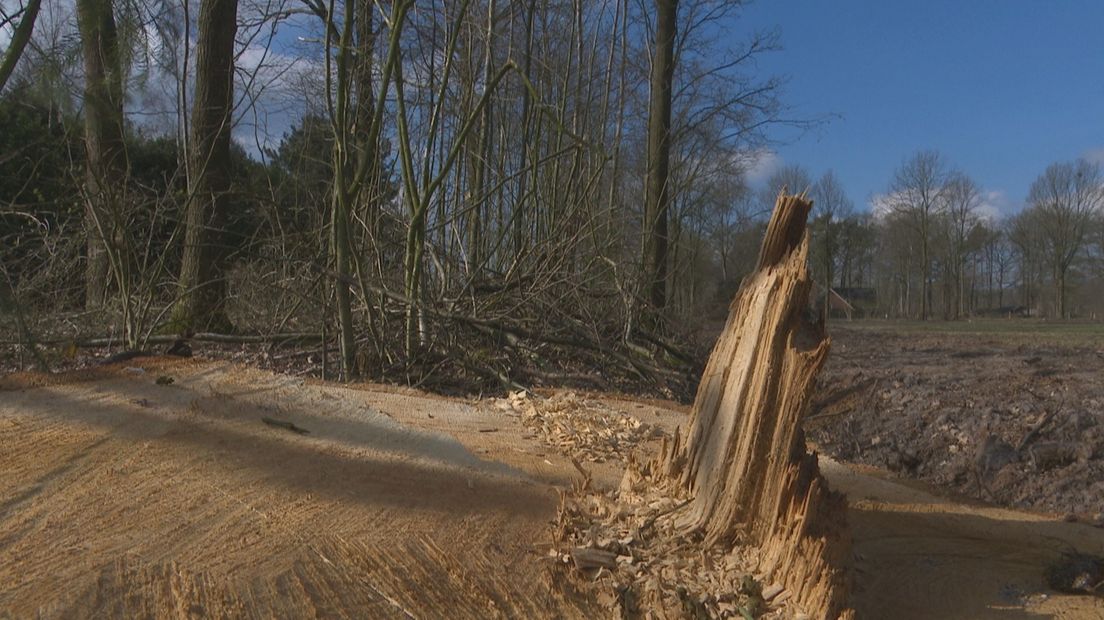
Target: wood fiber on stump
{"type": "Point", "coordinates": [743, 458]}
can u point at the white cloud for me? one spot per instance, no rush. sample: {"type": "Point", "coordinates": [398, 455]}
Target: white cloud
{"type": "Point", "coordinates": [1095, 155]}
{"type": "Point", "coordinates": [993, 205]}
{"type": "Point", "coordinates": [881, 204]}
{"type": "Point", "coordinates": [762, 163]}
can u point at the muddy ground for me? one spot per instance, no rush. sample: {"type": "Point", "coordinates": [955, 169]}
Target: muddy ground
{"type": "Point", "coordinates": [125, 496]}
{"type": "Point", "coordinates": [1011, 413]}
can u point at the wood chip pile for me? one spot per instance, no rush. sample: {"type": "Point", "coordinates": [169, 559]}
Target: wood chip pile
{"type": "Point", "coordinates": [585, 430]}
{"type": "Point", "coordinates": [624, 543]}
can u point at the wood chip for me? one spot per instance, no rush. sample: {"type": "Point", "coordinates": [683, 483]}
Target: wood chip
{"type": "Point", "coordinates": [593, 558]}
{"type": "Point", "coordinates": [772, 591]}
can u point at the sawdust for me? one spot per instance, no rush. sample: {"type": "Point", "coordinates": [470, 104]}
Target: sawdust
{"type": "Point", "coordinates": [587, 430]}
{"type": "Point", "coordinates": [120, 497]}
{"type": "Point", "coordinates": [625, 543]}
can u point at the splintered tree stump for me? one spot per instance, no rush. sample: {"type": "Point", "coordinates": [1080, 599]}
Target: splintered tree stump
{"type": "Point", "coordinates": [743, 459]}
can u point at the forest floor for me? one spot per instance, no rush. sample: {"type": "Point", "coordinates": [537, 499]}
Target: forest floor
{"type": "Point", "coordinates": [123, 494]}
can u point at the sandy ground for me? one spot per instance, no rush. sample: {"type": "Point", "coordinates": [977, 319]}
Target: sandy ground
{"type": "Point", "coordinates": [918, 555]}
{"type": "Point", "coordinates": [123, 498]}
{"type": "Point", "coordinates": [120, 497]}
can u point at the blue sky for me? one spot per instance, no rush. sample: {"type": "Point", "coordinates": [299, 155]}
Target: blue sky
{"type": "Point", "coordinates": [1002, 88]}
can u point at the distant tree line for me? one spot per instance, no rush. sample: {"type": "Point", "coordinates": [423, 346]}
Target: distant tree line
{"type": "Point", "coordinates": [930, 249]}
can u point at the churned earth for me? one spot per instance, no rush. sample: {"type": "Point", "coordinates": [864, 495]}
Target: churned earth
{"type": "Point", "coordinates": [1009, 412]}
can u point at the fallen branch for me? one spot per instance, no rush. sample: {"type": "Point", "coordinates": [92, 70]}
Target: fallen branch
{"type": "Point", "coordinates": [1035, 428]}
{"type": "Point", "coordinates": [109, 341]}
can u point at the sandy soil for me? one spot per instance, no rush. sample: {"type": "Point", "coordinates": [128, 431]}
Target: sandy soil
{"type": "Point", "coordinates": [123, 498]}
{"type": "Point", "coordinates": [919, 555]}
{"type": "Point", "coordinates": [120, 497]}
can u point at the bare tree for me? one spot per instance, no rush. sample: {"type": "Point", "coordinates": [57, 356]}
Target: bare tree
{"type": "Point", "coordinates": [857, 240]}
{"type": "Point", "coordinates": [791, 178]}
{"type": "Point", "coordinates": [831, 206]}
{"type": "Point", "coordinates": [961, 197]}
{"type": "Point", "coordinates": [1065, 198]}
{"type": "Point", "coordinates": [202, 287]}
{"type": "Point", "coordinates": [916, 193]}
{"type": "Point", "coordinates": [103, 117]}
{"type": "Point", "coordinates": [482, 154]}
{"type": "Point", "coordinates": [508, 199]}
{"type": "Point", "coordinates": [355, 112]}
{"type": "Point", "coordinates": [20, 36]}
{"type": "Point", "coordinates": [1022, 234]}
{"type": "Point", "coordinates": [998, 255]}
{"type": "Point", "coordinates": [657, 195]}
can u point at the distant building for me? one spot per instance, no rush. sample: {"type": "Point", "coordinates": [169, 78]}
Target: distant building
{"type": "Point", "coordinates": [847, 303]}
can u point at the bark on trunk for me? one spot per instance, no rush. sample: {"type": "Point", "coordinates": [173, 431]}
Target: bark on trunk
{"type": "Point", "coordinates": [103, 140]}
{"type": "Point", "coordinates": [743, 457]}
{"type": "Point", "coordinates": [20, 36]}
{"type": "Point", "coordinates": [657, 198]}
{"type": "Point", "coordinates": [202, 288]}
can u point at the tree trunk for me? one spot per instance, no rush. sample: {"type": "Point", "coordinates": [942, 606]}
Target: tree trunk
{"type": "Point", "coordinates": [657, 197]}
{"type": "Point", "coordinates": [342, 193]}
{"type": "Point", "coordinates": [829, 252]}
{"type": "Point", "coordinates": [480, 193]}
{"type": "Point", "coordinates": [103, 140]}
{"type": "Point", "coordinates": [925, 281]}
{"type": "Point", "coordinates": [520, 223]}
{"type": "Point", "coordinates": [202, 287]}
{"type": "Point", "coordinates": [1060, 286]}
{"type": "Point", "coordinates": [20, 36]}
{"type": "Point", "coordinates": [743, 458]}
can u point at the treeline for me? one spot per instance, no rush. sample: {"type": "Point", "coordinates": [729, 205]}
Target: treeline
{"type": "Point", "coordinates": [519, 192]}
{"type": "Point", "coordinates": [523, 191]}
{"type": "Point", "coordinates": [932, 247]}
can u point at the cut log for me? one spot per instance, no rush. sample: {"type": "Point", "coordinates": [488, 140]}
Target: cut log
{"type": "Point", "coordinates": [743, 459]}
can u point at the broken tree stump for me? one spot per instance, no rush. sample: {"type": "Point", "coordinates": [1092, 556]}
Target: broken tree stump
{"type": "Point", "coordinates": [743, 459]}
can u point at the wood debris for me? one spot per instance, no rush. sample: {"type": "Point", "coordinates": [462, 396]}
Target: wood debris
{"type": "Point", "coordinates": [625, 543]}
{"type": "Point", "coordinates": [586, 430]}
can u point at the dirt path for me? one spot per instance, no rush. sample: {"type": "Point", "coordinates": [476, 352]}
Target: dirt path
{"type": "Point", "coordinates": [121, 498]}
